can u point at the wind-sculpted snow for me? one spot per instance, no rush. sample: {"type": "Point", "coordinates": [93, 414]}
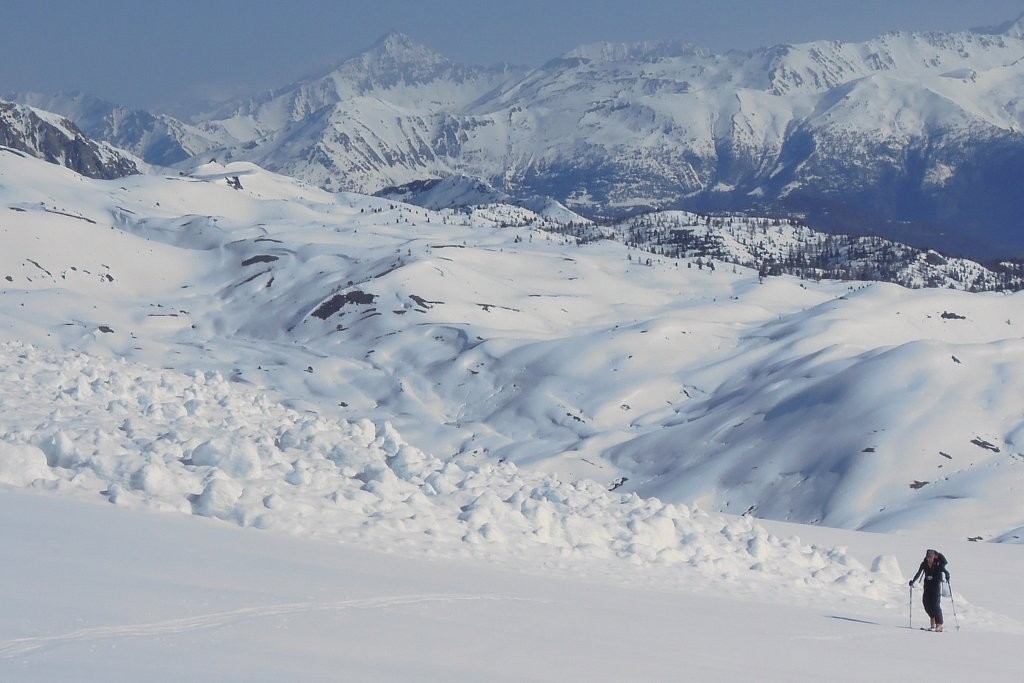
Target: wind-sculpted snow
{"type": "Point", "coordinates": [198, 444]}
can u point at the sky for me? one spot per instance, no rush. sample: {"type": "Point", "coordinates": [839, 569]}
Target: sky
{"type": "Point", "coordinates": [156, 54]}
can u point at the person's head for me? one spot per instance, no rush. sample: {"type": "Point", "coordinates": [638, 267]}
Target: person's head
{"type": "Point", "coordinates": [931, 556]}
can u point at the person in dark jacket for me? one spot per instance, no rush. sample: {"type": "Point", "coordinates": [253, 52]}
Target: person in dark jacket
{"type": "Point", "coordinates": [933, 567]}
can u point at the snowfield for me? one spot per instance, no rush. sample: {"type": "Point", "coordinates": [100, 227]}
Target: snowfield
{"type": "Point", "coordinates": [148, 596]}
{"type": "Point", "coordinates": [477, 451]}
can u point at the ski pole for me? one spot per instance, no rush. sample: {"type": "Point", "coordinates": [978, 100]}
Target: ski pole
{"type": "Point", "coordinates": [910, 610]}
{"type": "Point", "coordinates": [953, 603]}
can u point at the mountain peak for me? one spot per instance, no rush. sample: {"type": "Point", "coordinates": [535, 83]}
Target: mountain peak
{"type": "Point", "coordinates": [395, 47]}
{"type": "Point", "coordinates": [394, 40]}
{"type": "Point", "coordinates": [393, 59]}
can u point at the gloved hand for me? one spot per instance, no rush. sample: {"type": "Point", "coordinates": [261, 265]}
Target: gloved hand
{"type": "Point", "coordinates": [911, 583]}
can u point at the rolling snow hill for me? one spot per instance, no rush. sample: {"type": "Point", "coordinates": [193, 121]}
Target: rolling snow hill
{"type": "Point", "coordinates": [483, 337]}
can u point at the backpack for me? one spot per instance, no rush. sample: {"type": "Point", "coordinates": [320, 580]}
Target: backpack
{"type": "Point", "coordinates": [940, 560]}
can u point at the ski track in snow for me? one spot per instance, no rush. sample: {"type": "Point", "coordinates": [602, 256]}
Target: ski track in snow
{"type": "Point", "coordinates": [213, 620]}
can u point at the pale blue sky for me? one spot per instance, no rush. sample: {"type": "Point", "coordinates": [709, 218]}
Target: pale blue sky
{"type": "Point", "coordinates": [151, 53]}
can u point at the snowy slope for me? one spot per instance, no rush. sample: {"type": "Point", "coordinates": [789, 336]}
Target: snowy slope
{"type": "Point", "coordinates": [447, 428]}
{"type": "Point", "coordinates": [460, 192]}
{"type": "Point", "coordinates": [134, 596]}
{"type": "Point", "coordinates": [779, 246]}
{"type": "Point", "coordinates": [481, 336]}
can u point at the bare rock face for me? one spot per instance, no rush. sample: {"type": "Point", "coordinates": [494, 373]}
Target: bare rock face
{"type": "Point", "coordinates": [59, 141]}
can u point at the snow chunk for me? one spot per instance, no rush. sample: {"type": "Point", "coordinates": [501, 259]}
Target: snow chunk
{"type": "Point", "coordinates": [218, 499]}
{"type": "Point", "coordinates": [238, 459]}
{"type": "Point", "coordinates": [22, 465]}
{"type": "Point", "coordinates": [887, 568]}
{"type": "Point", "coordinates": [61, 451]}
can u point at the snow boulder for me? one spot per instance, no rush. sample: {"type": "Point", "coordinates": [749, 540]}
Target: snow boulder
{"type": "Point", "coordinates": [61, 451]}
{"type": "Point", "coordinates": [219, 499]}
{"type": "Point", "coordinates": [153, 479]}
{"type": "Point", "coordinates": [239, 459]}
{"type": "Point", "coordinates": [21, 465]}
{"type": "Point", "coordinates": [888, 568]}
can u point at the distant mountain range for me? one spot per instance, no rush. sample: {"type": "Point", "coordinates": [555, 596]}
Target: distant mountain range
{"type": "Point", "coordinates": [773, 246]}
{"type": "Point", "coordinates": [913, 136]}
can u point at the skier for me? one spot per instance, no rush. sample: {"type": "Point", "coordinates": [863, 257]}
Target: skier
{"type": "Point", "coordinates": [933, 567]}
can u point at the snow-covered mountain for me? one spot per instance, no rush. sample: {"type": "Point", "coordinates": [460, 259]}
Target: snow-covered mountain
{"type": "Point", "coordinates": [387, 116]}
{"type": "Point", "coordinates": [778, 246]}
{"type": "Point", "coordinates": [158, 139]}
{"type": "Point", "coordinates": [57, 140]}
{"type": "Point", "coordinates": [909, 135]}
{"type": "Point", "coordinates": [458, 191]}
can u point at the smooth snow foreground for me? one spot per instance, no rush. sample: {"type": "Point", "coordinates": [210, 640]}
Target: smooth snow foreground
{"type": "Point", "coordinates": [124, 596]}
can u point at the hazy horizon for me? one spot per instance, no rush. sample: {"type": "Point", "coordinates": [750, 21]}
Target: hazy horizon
{"type": "Point", "coordinates": [153, 55]}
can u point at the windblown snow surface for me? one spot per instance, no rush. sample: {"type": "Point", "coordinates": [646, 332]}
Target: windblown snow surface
{"type": "Point", "coordinates": [476, 451]}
